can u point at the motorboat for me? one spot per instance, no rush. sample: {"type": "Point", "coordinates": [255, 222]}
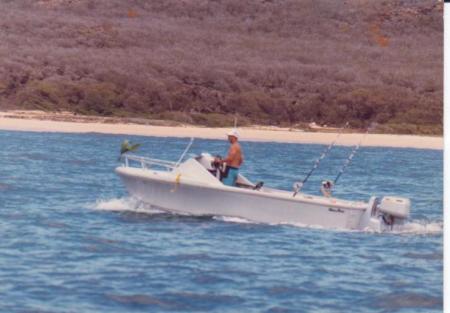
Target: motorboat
{"type": "Point", "coordinates": [193, 187]}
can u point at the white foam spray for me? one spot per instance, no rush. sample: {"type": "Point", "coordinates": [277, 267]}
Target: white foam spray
{"type": "Point", "coordinates": [126, 204]}
{"type": "Point", "coordinates": [419, 227]}
{"type": "Point", "coordinates": [230, 219]}
{"type": "Point", "coordinates": [130, 204]}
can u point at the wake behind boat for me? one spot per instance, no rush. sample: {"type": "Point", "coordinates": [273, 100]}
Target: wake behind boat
{"type": "Point", "coordinates": [193, 187]}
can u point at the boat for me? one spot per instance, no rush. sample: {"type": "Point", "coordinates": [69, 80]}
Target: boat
{"type": "Point", "coordinates": [193, 187]}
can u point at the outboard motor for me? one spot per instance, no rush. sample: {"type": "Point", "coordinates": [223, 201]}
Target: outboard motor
{"type": "Point", "coordinates": [394, 210]}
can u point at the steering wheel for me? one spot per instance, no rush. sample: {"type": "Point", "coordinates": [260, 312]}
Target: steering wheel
{"type": "Point", "coordinates": [215, 163]}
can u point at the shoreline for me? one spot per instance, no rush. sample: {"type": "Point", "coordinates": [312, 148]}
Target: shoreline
{"type": "Point", "coordinates": [39, 123]}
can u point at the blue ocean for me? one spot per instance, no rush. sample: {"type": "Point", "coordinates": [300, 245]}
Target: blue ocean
{"type": "Point", "coordinates": [72, 240]}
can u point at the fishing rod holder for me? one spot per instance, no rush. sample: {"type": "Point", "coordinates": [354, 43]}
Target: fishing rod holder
{"type": "Point", "coordinates": [297, 186]}
{"type": "Point", "coordinates": [326, 188]}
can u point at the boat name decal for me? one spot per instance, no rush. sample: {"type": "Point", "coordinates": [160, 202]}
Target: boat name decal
{"type": "Point", "coordinates": [336, 210]}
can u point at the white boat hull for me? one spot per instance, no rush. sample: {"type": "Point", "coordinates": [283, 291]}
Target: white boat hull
{"type": "Point", "coordinates": [174, 193]}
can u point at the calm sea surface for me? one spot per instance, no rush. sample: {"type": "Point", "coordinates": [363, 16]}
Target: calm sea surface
{"type": "Point", "coordinates": [73, 241]}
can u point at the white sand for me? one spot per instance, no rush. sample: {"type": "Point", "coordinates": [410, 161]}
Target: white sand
{"type": "Point", "coordinates": [246, 133]}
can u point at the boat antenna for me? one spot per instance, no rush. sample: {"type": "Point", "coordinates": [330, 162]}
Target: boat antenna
{"type": "Point", "coordinates": [352, 154]}
{"type": "Point", "coordinates": [299, 186]}
{"type": "Point", "coordinates": [235, 122]}
{"type": "Point", "coordinates": [185, 151]}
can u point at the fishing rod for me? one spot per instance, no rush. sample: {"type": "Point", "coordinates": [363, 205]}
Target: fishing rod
{"type": "Point", "coordinates": [299, 186]}
{"type": "Point", "coordinates": [352, 154]}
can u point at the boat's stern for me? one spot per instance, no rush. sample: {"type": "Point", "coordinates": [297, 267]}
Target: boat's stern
{"type": "Point", "coordinates": [388, 212]}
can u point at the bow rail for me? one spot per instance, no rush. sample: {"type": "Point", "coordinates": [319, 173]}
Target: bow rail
{"type": "Point", "coordinates": [148, 162]}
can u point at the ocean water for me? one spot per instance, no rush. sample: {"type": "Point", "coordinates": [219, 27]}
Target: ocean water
{"type": "Point", "coordinates": [72, 240]}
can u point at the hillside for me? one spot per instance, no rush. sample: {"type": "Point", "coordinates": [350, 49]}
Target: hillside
{"type": "Point", "coordinates": [277, 62]}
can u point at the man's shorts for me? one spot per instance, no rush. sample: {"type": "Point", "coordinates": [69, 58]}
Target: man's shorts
{"type": "Point", "coordinates": [231, 178]}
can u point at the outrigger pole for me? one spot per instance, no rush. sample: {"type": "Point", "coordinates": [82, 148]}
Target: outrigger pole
{"type": "Point", "coordinates": [350, 158]}
{"type": "Point", "coordinates": [299, 186]}
{"type": "Point", "coordinates": [185, 151]}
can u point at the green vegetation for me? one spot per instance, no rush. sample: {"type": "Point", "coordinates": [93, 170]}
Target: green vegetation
{"type": "Point", "coordinates": [269, 62]}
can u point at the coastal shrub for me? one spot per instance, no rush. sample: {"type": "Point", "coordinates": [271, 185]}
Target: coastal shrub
{"type": "Point", "coordinates": [278, 63]}
{"type": "Point", "coordinates": [408, 129]}
{"type": "Point", "coordinates": [3, 87]}
{"type": "Point", "coordinates": [175, 116]}
{"type": "Point", "coordinates": [100, 98]}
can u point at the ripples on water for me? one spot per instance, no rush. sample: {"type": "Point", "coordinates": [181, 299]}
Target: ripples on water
{"type": "Point", "coordinates": [73, 241]}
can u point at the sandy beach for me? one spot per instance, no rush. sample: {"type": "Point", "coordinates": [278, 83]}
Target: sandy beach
{"type": "Point", "coordinates": [36, 121]}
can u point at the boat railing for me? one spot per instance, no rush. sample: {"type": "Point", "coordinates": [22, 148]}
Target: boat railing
{"type": "Point", "coordinates": [148, 162]}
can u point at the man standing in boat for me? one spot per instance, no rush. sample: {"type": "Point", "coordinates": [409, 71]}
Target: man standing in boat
{"type": "Point", "coordinates": [234, 159]}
